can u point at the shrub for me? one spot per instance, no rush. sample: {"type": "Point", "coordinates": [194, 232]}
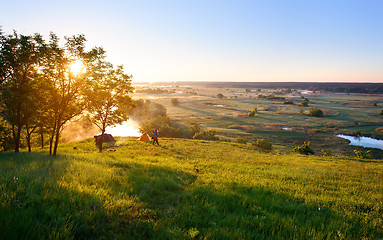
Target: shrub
{"type": "Point", "coordinates": [358, 132]}
{"type": "Point", "coordinates": [304, 149]}
{"type": "Point", "coordinates": [288, 102]}
{"type": "Point", "coordinates": [381, 111]}
{"type": "Point", "coordinates": [207, 135]}
{"type": "Point", "coordinates": [264, 144]}
{"type": "Point", "coordinates": [363, 155]}
{"type": "Point", "coordinates": [316, 112]}
{"type": "Point", "coordinates": [220, 95]}
{"type": "Point", "coordinates": [326, 152]}
{"type": "Point", "coordinates": [165, 126]}
{"type": "Point", "coordinates": [253, 112]}
{"type": "Point", "coordinates": [375, 104]}
{"type": "Point", "coordinates": [305, 102]}
{"type": "Point", "coordinates": [242, 140]}
{"type": "Point", "coordinates": [174, 102]}
{"type": "Point", "coordinates": [194, 129]}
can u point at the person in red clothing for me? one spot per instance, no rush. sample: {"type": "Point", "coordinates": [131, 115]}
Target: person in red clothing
{"type": "Point", "coordinates": [155, 137]}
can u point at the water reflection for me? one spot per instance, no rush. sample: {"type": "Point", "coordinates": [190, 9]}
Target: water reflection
{"type": "Point", "coordinates": [363, 141]}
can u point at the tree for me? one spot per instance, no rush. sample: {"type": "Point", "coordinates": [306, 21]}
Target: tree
{"type": "Point", "coordinates": [19, 58]}
{"type": "Point", "coordinates": [107, 91]}
{"type": "Point", "coordinates": [65, 84]}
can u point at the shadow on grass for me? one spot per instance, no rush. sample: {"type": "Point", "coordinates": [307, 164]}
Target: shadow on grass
{"type": "Point", "coordinates": [185, 210]}
{"type": "Point", "coordinates": [145, 201]}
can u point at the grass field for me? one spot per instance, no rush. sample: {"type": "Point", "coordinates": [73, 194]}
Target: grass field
{"type": "Point", "coordinates": [187, 189]}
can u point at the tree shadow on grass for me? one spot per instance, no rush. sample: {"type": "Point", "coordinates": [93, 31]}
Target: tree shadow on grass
{"type": "Point", "coordinates": [184, 211]}
{"type": "Point", "coordinates": [145, 201]}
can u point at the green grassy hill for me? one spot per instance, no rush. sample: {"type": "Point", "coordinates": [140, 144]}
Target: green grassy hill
{"type": "Point", "coordinates": [187, 189]}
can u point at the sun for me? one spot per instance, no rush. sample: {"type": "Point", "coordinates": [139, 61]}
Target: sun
{"type": "Point", "coordinates": [77, 67]}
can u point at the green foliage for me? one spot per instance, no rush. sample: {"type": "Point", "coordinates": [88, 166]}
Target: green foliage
{"type": "Point", "coordinates": [264, 144]}
{"type": "Point", "coordinates": [363, 155]}
{"type": "Point", "coordinates": [241, 139]}
{"type": "Point", "coordinates": [194, 129]}
{"type": "Point", "coordinates": [20, 56]}
{"type": "Point", "coordinates": [206, 135]}
{"type": "Point", "coordinates": [315, 112]}
{"type": "Point", "coordinates": [165, 126]}
{"type": "Point", "coordinates": [270, 97]}
{"type": "Point", "coordinates": [107, 93]}
{"type": "Point", "coordinates": [6, 139]}
{"type": "Point", "coordinates": [253, 112]}
{"type": "Point", "coordinates": [288, 102]}
{"type": "Point", "coordinates": [305, 102]}
{"type": "Point", "coordinates": [304, 149]}
{"type": "Point", "coordinates": [327, 153]}
{"type": "Point", "coordinates": [175, 102]}
{"type": "Point", "coordinates": [358, 132]}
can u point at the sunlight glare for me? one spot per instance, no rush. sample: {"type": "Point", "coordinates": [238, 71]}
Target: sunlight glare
{"type": "Point", "coordinates": [77, 67]}
{"type": "Point", "coordinates": [129, 128]}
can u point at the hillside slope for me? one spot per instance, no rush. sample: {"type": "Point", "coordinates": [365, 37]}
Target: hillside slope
{"type": "Point", "coordinates": [187, 189]}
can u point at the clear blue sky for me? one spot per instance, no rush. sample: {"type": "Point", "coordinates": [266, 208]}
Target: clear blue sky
{"type": "Point", "coordinates": [206, 40]}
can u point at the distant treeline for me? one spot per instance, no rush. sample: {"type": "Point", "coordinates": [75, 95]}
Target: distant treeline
{"type": "Point", "coordinates": [314, 86]}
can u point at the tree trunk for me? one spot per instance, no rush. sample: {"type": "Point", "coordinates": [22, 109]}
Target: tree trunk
{"type": "Point", "coordinates": [42, 137]}
{"type": "Point", "coordinates": [51, 138]}
{"type": "Point", "coordinates": [16, 137]}
{"type": "Point", "coordinates": [29, 139]}
{"type": "Point", "coordinates": [57, 137]}
{"type": "Point", "coordinates": [102, 138]}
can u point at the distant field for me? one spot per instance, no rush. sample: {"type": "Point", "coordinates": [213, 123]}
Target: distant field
{"type": "Point", "coordinates": [281, 124]}
{"type": "Point", "coordinates": [187, 189]}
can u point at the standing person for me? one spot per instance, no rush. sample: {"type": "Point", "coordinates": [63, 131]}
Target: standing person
{"type": "Point", "coordinates": [155, 137]}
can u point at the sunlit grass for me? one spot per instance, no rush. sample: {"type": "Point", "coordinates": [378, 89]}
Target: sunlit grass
{"type": "Point", "coordinates": [186, 189]}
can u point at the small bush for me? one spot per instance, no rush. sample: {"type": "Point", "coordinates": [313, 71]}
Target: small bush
{"type": "Point", "coordinates": [253, 112]}
{"type": "Point", "coordinates": [363, 155]}
{"type": "Point", "coordinates": [220, 95]}
{"type": "Point", "coordinates": [326, 152]}
{"type": "Point", "coordinates": [305, 102]}
{"type": "Point", "coordinates": [194, 129]}
{"type": "Point", "coordinates": [381, 111]}
{"type": "Point", "coordinates": [304, 149]}
{"type": "Point", "coordinates": [264, 144]}
{"type": "Point", "coordinates": [208, 135]}
{"type": "Point", "coordinates": [358, 132]}
{"type": "Point", "coordinates": [316, 112]}
{"type": "Point", "coordinates": [288, 102]}
{"type": "Point", "coordinates": [242, 140]}
{"type": "Point", "coordinates": [174, 102]}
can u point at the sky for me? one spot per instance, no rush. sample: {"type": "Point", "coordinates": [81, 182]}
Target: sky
{"type": "Point", "coordinates": [218, 40]}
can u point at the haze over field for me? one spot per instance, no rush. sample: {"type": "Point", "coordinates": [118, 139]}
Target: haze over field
{"type": "Point", "coordinates": [326, 41]}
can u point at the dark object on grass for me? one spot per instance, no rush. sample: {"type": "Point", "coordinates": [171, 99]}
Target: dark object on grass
{"type": "Point", "coordinates": [107, 138]}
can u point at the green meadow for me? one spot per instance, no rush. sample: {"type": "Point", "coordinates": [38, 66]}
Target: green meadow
{"type": "Point", "coordinates": [187, 189]}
